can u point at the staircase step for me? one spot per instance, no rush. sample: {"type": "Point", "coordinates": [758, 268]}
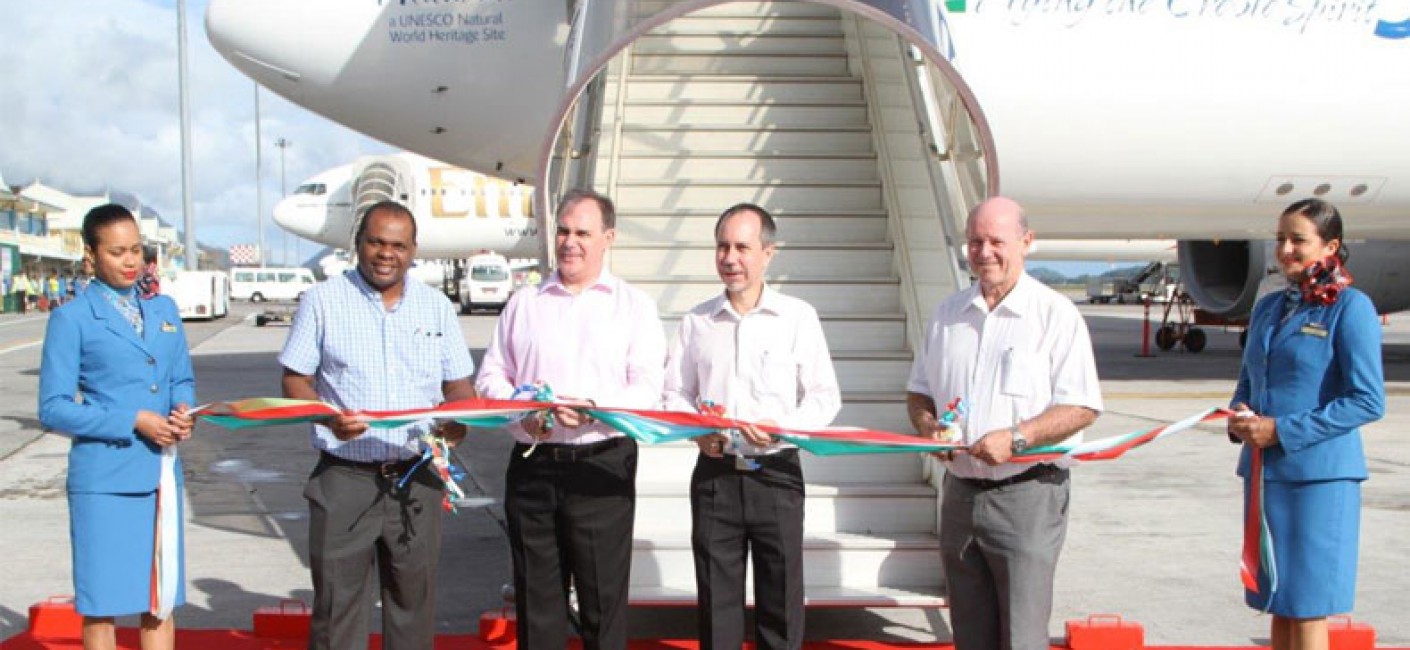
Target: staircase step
{"type": "Point", "coordinates": [860, 508]}
{"type": "Point", "coordinates": [740, 23]}
{"type": "Point", "coordinates": [743, 88]}
{"type": "Point", "coordinates": [686, 140]}
{"type": "Point", "coordinates": [673, 462]}
{"type": "Point", "coordinates": [812, 63]}
{"type": "Point", "coordinates": [845, 333]}
{"type": "Point", "coordinates": [713, 194]}
{"type": "Point", "coordinates": [835, 560]}
{"type": "Point", "coordinates": [841, 296]}
{"type": "Point", "coordinates": [725, 42]}
{"type": "Point", "coordinates": [814, 261]}
{"type": "Point", "coordinates": [794, 229]}
{"type": "Point", "coordinates": [816, 596]}
{"type": "Point", "coordinates": [757, 114]}
{"type": "Point", "coordinates": [838, 167]}
{"type": "Point", "coordinates": [736, 9]}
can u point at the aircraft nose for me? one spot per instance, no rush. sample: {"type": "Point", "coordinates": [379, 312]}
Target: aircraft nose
{"type": "Point", "coordinates": [297, 215]}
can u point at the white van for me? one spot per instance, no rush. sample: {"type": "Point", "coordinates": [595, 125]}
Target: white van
{"type": "Point", "coordinates": [487, 282]}
{"type": "Point", "coordinates": [200, 294]}
{"type": "Point", "coordinates": [260, 284]}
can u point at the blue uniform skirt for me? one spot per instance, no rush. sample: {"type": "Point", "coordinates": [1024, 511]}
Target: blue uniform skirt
{"type": "Point", "coordinates": [113, 536]}
{"type": "Point", "coordinates": [1316, 529]}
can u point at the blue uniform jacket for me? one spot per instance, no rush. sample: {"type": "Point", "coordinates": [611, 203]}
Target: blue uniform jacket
{"type": "Point", "coordinates": [1319, 375]}
{"type": "Point", "coordinates": [97, 374]}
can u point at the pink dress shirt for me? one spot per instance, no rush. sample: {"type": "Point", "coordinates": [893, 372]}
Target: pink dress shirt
{"type": "Point", "coordinates": [605, 344]}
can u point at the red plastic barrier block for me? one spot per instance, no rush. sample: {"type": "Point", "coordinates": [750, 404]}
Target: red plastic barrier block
{"type": "Point", "coordinates": [498, 628]}
{"type": "Point", "coordinates": [1346, 634]}
{"type": "Point", "coordinates": [1105, 632]}
{"type": "Point", "coordinates": [288, 620]}
{"type": "Point", "coordinates": [55, 618]}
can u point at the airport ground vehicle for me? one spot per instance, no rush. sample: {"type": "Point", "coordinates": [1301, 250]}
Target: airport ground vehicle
{"type": "Point", "coordinates": [487, 283]}
{"type": "Point", "coordinates": [200, 294]}
{"type": "Point", "coordinates": [261, 284]}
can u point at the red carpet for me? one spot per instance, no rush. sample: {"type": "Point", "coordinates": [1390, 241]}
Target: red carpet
{"type": "Point", "coordinates": [244, 640]}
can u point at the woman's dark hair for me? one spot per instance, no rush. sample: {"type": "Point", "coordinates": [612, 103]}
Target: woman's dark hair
{"type": "Point", "coordinates": [1327, 220]}
{"type": "Point", "coordinates": [101, 217]}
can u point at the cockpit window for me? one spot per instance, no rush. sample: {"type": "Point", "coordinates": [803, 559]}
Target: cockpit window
{"type": "Point", "coordinates": [315, 189]}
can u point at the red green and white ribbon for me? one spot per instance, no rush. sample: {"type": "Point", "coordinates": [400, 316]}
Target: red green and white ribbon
{"type": "Point", "coordinates": [654, 427]}
{"type": "Point", "coordinates": [166, 547]}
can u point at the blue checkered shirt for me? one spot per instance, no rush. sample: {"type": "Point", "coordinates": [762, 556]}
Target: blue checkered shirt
{"type": "Point", "coordinates": [366, 357]}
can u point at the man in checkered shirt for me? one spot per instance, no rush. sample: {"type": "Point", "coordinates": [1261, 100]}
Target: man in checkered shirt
{"type": "Point", "coordinates": [371, 339]}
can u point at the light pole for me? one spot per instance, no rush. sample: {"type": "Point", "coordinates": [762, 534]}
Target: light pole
{"type": "Point", "coordinates": [259, 189]}
{"type": "Point", "coordinates": [283, 143]}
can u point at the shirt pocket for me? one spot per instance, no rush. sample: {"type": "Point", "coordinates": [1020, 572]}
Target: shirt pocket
{"type": "Point", "coordinates": [1016, 371]}
{"type": "Point", "coordinates": [776, 379]}
{"type": "Point", "coordinates": [421, 357]}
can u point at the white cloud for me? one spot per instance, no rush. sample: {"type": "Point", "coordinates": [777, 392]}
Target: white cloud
{"type": "Point", "coordinates": [91, 102]}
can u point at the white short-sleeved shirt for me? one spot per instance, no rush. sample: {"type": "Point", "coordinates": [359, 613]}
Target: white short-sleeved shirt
{"type": "Point", "coordinates": [1010, 364]}
{"type": "Point", "coordinates": [769, 364]}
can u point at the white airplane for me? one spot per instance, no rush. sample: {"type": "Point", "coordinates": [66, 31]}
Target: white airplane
{"type": "Point", "coordinates": [1194, 120]}
{"type": "Point", "coordinates": [457, 211]}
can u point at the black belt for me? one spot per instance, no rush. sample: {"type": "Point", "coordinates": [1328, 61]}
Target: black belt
{"type": "Point", "coordinates": [391, 469]}
{"type": "Point", "coordinates": [785, 455]}
{"type": "Point", "coordinates": [565, 453]}
{"type": "Point", "coordinates": [1033, 473]}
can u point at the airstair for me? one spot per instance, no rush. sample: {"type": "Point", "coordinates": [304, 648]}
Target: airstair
{"type": "Point", "coordinates": [780, 104]}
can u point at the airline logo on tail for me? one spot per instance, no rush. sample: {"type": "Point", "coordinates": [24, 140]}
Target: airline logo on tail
{"type": "Point", "coordinates": [1290, 13]}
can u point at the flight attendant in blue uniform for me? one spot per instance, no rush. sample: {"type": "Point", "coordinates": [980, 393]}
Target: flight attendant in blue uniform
{"type": "Point", "coordinates": [116, 375]}
{"type": "Point", "coordinates": [1311, 377]}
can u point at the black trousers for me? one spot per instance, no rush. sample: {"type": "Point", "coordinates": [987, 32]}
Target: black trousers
{"type": "Point", "coordinates": [570, 511]}
{"type": "Point", "coordinates": [739, 513]}
{"type": "Point", "coordinates": [359, 519]}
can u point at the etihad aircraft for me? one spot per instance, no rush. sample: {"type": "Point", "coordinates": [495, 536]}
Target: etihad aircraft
{"type": "Point", "coordinates": [1192, 120]}
{"type": "Point", "coordinates": [457, 211]}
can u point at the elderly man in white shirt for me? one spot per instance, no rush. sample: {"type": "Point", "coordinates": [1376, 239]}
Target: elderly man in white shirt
{"type": "Point", "coordinates": [761, 356]}
{"type": "Point", "coordinates": [1019, 355]}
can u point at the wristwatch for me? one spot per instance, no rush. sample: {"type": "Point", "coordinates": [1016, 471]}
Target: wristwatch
{"type": "Point", "coordinates": [1020, 443]}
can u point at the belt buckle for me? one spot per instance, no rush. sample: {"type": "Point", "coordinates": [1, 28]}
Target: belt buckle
{"type": "Point", "coordinates": [745, 464]}
{"type": "Point", "coordinates": [390, 471]}
{"type": "Point", "coordinates": [563, 453]}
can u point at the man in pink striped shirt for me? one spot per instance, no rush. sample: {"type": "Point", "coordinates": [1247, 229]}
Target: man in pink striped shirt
{"type": "Point", "coordinates": [570, 492]}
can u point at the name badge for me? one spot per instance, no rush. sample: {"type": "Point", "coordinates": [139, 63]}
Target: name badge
{"type": "Point", "coordinates": [168, 327]}
{"type": "Point", "coordinates": [1315, 329]}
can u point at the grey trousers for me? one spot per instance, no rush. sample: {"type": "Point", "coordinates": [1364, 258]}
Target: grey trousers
{"type": "Point", "coordinates": [358, 520]}
{"type": "Point", "coordinates": [1000, 548]}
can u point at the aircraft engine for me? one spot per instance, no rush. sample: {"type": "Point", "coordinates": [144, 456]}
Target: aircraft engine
{"type": "Point", "coordinates": [383, 179]}
{"type": "Point", "coordinates": [1226, 277]}
{"type": "Point", "coordinates": [1223, 276]}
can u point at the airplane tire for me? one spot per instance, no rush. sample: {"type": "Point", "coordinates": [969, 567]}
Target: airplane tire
{"type": "Point", "coordinates": [1243, 339]}
{"type": "Point", "coordinates": [1195, 339]}
{"type": "Point", "coordinates": [1165, 337]}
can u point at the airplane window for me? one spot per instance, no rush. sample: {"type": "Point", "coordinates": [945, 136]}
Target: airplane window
{"type": "Point", "coordinates": [286, 277]}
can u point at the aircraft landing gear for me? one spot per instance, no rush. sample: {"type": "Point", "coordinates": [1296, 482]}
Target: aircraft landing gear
{"type": "Point", "coordinates": [1181, 328]}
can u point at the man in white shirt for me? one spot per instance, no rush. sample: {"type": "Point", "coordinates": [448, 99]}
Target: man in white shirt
{"type": "Point", "coordinates": [761, 356]}
{"type": "Point", "coordinates": [1019, 355]}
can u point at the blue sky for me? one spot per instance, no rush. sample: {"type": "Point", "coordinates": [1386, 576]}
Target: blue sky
{"type": "Point", "coordinates": [91, 102]}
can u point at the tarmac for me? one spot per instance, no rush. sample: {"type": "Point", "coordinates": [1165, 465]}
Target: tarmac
{"type": "Point", "coordinates": [1153, 537]}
